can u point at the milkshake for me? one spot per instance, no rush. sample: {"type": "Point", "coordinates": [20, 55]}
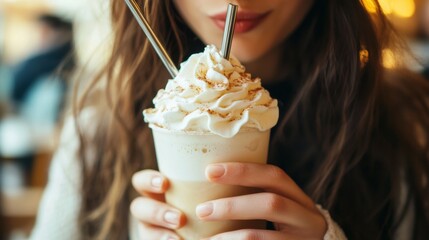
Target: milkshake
{"type": "Point", "coordinates": [212, 112]}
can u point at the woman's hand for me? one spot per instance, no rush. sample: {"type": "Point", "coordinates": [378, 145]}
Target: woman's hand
{"type": "Point", "coordinates": [158, 220]}
{"type": "Point", "coordinates": [294, 214]}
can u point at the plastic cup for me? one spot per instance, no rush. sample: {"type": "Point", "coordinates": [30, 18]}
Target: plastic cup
{"type": "Point", "coordinates": [183, 156]}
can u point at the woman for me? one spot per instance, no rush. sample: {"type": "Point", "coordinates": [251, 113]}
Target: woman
{"type": "Point", "coordinates": [352, 136]}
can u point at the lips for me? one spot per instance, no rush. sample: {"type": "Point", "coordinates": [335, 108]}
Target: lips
{"type": "Point", "coordinates": [246, 21]}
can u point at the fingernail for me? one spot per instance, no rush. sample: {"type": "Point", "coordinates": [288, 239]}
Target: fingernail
{"type": "Point", "coordinates": [171, 218]}
{"type": "Point", "coordinates": [215, 171]}
{"type": "Point", "coordinates": [204, 210]}
{"type": "Point", "coordinates": [170, 237]}
{"type": "Point", "coordinates": [156, 182]}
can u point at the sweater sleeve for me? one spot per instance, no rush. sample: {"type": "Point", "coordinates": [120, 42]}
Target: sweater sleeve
{"type": "Point", "coordinates": [334, 232]}
{"type": "Point", "coordinates": [60, 204]}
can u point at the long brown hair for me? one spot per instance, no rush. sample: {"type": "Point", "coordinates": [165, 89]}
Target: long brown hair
{"type": "Point", "coordinates": [365, 136]}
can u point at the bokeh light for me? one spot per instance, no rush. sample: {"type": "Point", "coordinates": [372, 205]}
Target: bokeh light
{"type": "Point", "coordinates": [389, 60]}
{"type": "Point", "coordinates": [399, 8]}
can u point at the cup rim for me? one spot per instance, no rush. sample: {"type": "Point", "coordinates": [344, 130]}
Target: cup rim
{"type": "Point", "coordinates": [164, 130]}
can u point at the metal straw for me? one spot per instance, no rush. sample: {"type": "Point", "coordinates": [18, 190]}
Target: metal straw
{"type": "Point", "coordinates": [228, 32]}
{"type": "Point", "coordinates": [160, 50]}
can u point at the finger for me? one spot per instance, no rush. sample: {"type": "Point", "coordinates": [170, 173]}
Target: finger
{"type": "Point", "coordinates": [246, 234]}
{"type": "Point", "coordinates": [148, 232]}
{"type": "Point", "coordinates": [268, 206]}
{"type": "Point", "coordinates": [150, 183]}
{"type": "Point", "coordinates": [268, 177]}
{"type": "Point", "coordinates": [153, 212]}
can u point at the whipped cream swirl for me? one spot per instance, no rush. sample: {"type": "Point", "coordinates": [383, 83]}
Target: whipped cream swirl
{"type": "Point", "coordinates": [213, 95]}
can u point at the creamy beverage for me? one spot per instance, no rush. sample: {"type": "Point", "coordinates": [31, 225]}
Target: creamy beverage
{"type": "Point", "coordinates": [183, 157]}
{"type": "Point", "coordinates": [212, 112]}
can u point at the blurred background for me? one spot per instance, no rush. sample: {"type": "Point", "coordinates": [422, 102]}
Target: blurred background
{"type": "Point", "coordinates": [43, 41]}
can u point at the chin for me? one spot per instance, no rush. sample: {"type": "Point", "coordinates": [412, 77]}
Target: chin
{"type": "Point", "coordinates": [246, 54]}
{"type": "Point", "coordinates": [249, 50]}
